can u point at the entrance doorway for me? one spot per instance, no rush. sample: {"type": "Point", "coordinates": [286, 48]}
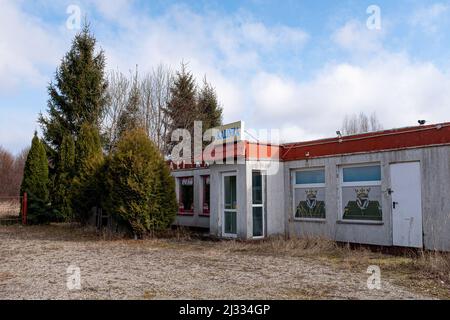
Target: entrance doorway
{"type": "Point", "coordinates": [406, 204]}
{"type": "Point", "coordinates": [229, 205]}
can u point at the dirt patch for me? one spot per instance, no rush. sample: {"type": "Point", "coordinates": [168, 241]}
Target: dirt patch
{"type": "Point", "coordinates": [34, 262]}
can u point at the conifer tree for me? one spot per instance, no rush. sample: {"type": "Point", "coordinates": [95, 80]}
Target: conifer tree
{"type": "Point", "coordinates": [35, 182]}
{"type": "Point", "coordinates": [62, 197]}
{"type": "Point", "coordinates": [131, 117]}
{"type": "Point", "coordinates": [142, 193]}
{"type": "Point", "coordinates": [88, 163]}
{"type": "Point", "coordinates": [78, 94]}
{"type": "Point", "coordinates": [208, 108]}
{"type": "Point", "coordinates": [182, 107]}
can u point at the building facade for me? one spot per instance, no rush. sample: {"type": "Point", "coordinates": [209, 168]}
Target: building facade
{"type": "Point", "coordinates": [389, 188]}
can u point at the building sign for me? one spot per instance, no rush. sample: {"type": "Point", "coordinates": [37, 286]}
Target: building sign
{"type": "Point", "coordinates": [187, 181]}
{"type": "Point", "coordinates": [229, 133]}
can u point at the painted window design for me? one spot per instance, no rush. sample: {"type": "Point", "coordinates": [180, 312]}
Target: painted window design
{"type": "Point", "coordinates": [361, 193]}
{"type": "Point", "coordinates": [206, 195]}
{"type": "Point", "coordinates": [186, 202]}
{"type": "Point", "coordinates": [309, 194]}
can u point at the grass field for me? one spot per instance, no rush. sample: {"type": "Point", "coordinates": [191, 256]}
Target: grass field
{"type": "Point", "coordinates": [34, 261]}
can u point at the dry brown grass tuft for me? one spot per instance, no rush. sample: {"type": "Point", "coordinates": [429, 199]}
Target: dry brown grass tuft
{"type": "Point", "coordinates": [296, 247]}
{"type": "Point", "coordinates": [434, 263]}
{"type": "Point", "coordinates": [426, 272]}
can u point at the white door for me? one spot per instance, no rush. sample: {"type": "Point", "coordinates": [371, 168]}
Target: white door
{"type": "Point", "coordinates": [406, 204]}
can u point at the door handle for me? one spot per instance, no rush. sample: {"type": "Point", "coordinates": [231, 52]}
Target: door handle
{"type": "Point", "coordinates": [394, 204]}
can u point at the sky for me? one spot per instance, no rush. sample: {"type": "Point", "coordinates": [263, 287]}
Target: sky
{"type": "Point", "coordinates": [295, 66]}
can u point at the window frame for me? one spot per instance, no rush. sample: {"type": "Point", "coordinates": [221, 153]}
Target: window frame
{"type": "Point", "coordinates": [222, 213]}
{"type": "Point", "coordinates": [296, 186]}
{"type": "Point", "coordinates": [205, 212]}
{"type": "Point", "coordinates": [261, 205]}
{"type": "Point", "coordinates": [342, 184]}
{"type": "Point", "coordinates": [184, 212]}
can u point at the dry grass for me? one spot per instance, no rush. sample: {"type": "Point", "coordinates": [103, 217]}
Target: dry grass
{"type": "Point", "coordinates": [308, 268]}
{"type": "Point", "coordinates": [425, 272]}
{"type": "Point", "coordinates": [9, 208]}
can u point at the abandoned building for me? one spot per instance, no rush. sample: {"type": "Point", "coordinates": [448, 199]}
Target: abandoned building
{"type": "Point", "coordinates": [389, 188]}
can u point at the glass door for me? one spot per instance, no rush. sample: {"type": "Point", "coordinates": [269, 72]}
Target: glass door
{"type": "Point", "coordinates": [229, 205]}
{"type": "Point", "coordinates": [258, 204]}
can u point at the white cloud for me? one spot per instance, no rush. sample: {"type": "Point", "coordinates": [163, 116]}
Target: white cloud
{"type": "Point", "coordinates": [228, 49]}
{"type": "Point", "coordinates": [27, 46]}
{"type": "Point", "coordinates": [428, 18]}
{"type": "Point", "coordinates": [398, 90]}
{"type": "Point", "coordinates": [235, 53]}
{"type": "Point", "coordinates": [356, 37]}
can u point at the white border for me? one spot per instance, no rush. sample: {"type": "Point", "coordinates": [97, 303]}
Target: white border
{"type": "Point", "coordinates": [228, 235]}
{"type": "Point", "coordinates": [358, 184]}
{"type": "Point", "coordinates": [303, 186]}
{"type": "Point", "coordinates": [263, 189]}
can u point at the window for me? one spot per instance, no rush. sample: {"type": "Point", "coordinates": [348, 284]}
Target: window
{"type": "Point", "coordinates": [186, 195]}
{"type": "Point", "coordinates": [258, 204]}
{"type": "Point", "coordinates": [361, 193]}
{"type": "Point", "coordinates": [206, 195]}
{"type": "Point", "coordinates": [309, 194]}
{"type": "Point", "coordinates": [230, 208]}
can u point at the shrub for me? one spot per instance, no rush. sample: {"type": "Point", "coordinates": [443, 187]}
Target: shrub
{"type": "Point", "coordinates": [142, 192]}
{"type": "Point", "coordinates": [88, 163]}
{"type": "Point", "coordinates": [35, 183]}
{"type": "Point", "coordinates": [62, 188]}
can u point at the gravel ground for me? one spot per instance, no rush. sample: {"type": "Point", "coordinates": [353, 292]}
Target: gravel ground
{"type": "Point", "coordinates": [34, 261]}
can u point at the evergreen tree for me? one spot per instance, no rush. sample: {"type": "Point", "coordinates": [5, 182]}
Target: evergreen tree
{"type": "Point", "coordinates": [208, 108]}
{"type": "Point", "coordinates": [182, 107]}
{"type": "Point", "coordinates": [62, 197]}
{"type": "Point", "coordinates": [78, 94]}
{"type": "Point", "coordinates": [35, 182]}
{"type": "Point", "coordinates": [88, 163]}
{"type": "Point", "coordinates": [142, 193]}
{"type": "Point", "coordinates": [131, 117]}
{"type": "Point", "coordinates": [167, 197]}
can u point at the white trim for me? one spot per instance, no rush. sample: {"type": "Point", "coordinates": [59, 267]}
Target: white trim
{"type": "Point", "coordinates": [228, 235]}
{"type": "Point", "coordinates": [309, 185]}
{"type": "Point", "coordinates": [262, 205]}
{"type": "Point", "coordinates": [296, 186]}
{"type": "Point", "coordinates": [361, 184]}
{"type": "Point", "coordinates": [343, 184]}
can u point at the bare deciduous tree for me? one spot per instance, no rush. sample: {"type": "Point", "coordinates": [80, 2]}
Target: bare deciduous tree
{"type": "Point", "coordinates": [11, 172]}
{"type": "Point", "coordinates": [118, 93]}
{"type": "Point", "coordinates": [154, 95]}
{"type": "Point", "coordinates": [360, 123]}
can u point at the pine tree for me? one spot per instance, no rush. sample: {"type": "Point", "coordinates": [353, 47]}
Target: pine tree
{"type": "Point", "coordinates": [35, 182]}
{"type": "Point", "coordinates": [182, 107]}
{"type": "Point", "coordinates": [142, 193]}
{"type": "Point", "coordinates": [131, 117]}
{"type": "Point", "coordinates": [78, 94]}
{"type": "Point", "coordinates": [88, 162]}
{"type": "Point", "coordinates": [208, 108]}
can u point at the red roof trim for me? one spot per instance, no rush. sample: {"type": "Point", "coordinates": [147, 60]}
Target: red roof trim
{"type": "Point", "coordinates": [403, 138]}
{"type": "Point", "coordinates": [386, 140]}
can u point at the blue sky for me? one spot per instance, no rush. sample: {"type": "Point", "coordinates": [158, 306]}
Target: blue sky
{"type": "Point", "coordinates": [297, 66]}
